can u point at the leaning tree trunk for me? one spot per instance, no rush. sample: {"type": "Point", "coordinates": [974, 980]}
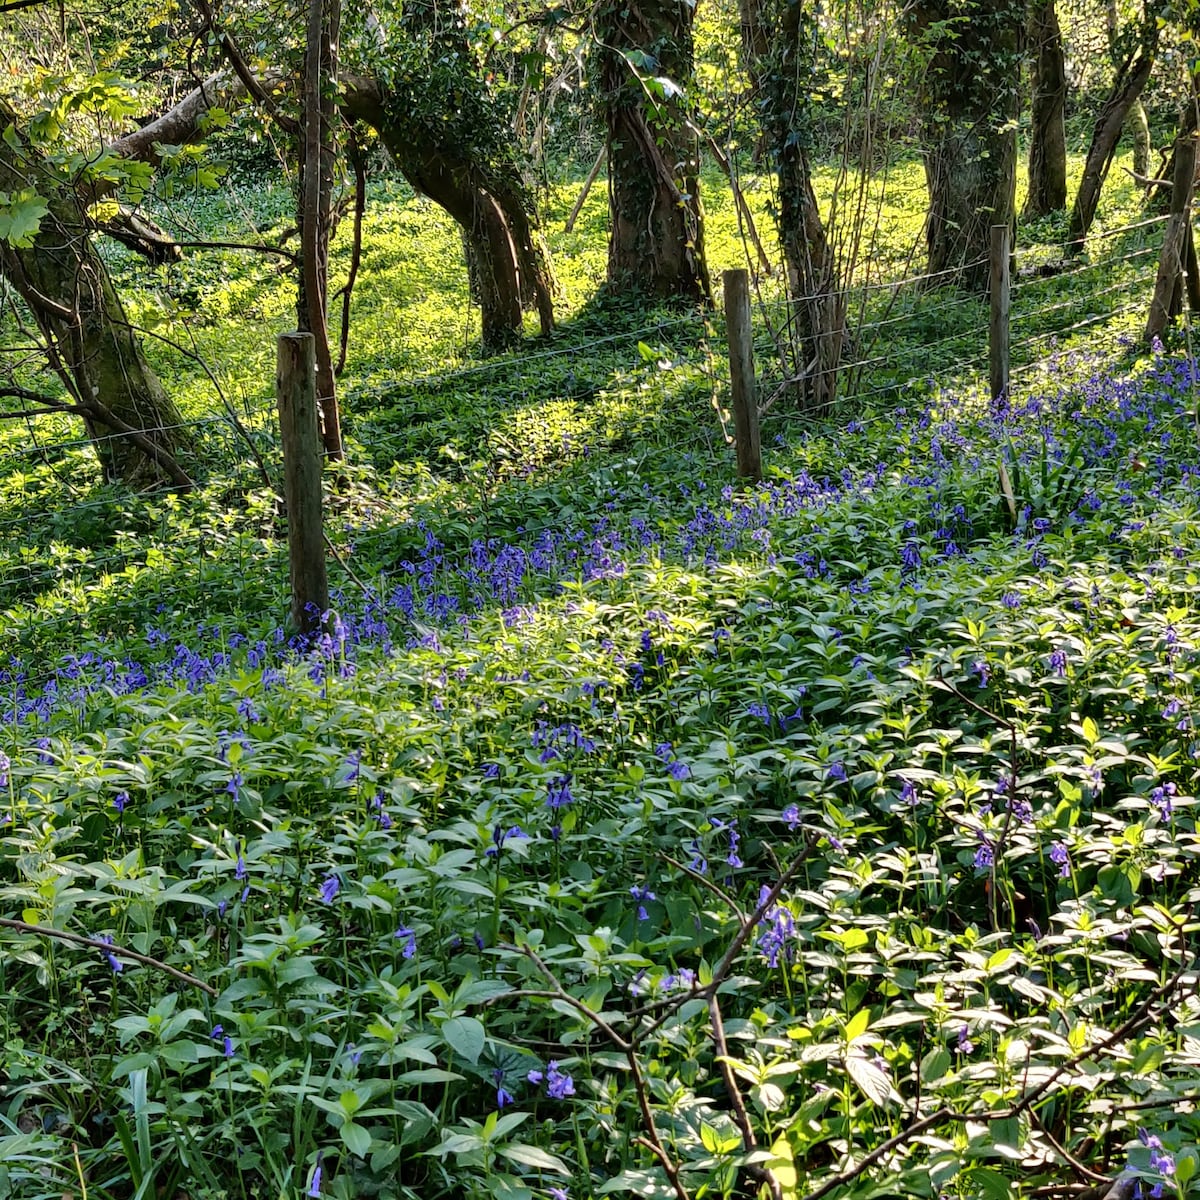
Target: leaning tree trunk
{"type": "Point", "coordinates": [970, 105]}
{"type": "Point", "coordinates": [135, 428]}
{"type": "Point", "coordinates": [489, 202]}
{"type": "Point", "coordinates": [1131, 79]}
{"type": "Point", "coordinates": [656, 235]}
{"type": "Point", "coordinates": [1047, 134]}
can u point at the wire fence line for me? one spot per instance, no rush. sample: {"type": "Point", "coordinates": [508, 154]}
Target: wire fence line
{"type": "Point", "coordinates": [913, 334]}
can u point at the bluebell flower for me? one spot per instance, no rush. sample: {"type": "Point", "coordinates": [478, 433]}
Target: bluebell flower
{"type": "Point", "coordinates": [1060, 856]}
{"type": "Point", "coordinates": [113, 961]}
{"type": "Point", "coordinates": [965, 1045]}
{"type": "Point", "coordinates": [491, 770]}
{"type": "Point", "coordinates": [836, 772]}
{"type": "Point", "coordinates": [559, 1085]}
{"type": "Point", "coordinates": [759, 710]}
{"type": "Point", "coordinates": [908, 793]}
{"type": "Point", "coordinates": [314, 1183]}
{"type": "Point", "coordinates": [330, 888]}
{"type": "Point", "coordinates": [642, 895]}
{"type": "Point", "coordinates": [985, 854]}
{"type": "Point", "coordinates": [699, 863]}
{"type": "Point", "coordinates": [1161, 796]}
{"type": "Point", "coordinates": [500, 835]}
{"type": "Point", "coordinates": [503, 1095]}
{"type": "Point", "coordinates": [409, 937]}
{"type": "Point", "coordinates": [791, 817]}
{"type": "Point", "coordinates": [557, 1193]}
{"type": "Point", "coordinates": [983, 671]}
{"type": "Point", "coordinates": [535, 1076]}
{"type": "Point", "coordinates": [1058, 663]}
{"type": "Point", "coordinates": [5, 767]}
{"type": "Point", "coordinates": [239, 870]}
{"type": "Point", "coordinates": [120, 800]}
{"type": "Point", "coordinates": [778, 928]}
{"type": "Point", "coordinates": [380, 812]}
{"type": "Point", "coordinates": [558, 792]}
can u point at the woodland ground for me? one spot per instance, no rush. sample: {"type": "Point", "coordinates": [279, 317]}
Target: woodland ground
{"type": "Point", "coordinates": [893, 775]}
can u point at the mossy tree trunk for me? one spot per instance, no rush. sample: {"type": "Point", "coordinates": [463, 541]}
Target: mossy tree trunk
{"type": "Point", "coordinates": [488, 200]}
{"type": "Point", "coordinates": [656, 234]}
{"type": "Point", "coordinates": [135, 427]}
{"type": "Point", "coordinates": [1133, 73]}
{"type": "Point", "coordinates": [970, 105]}
{"type": "Point", "coordinates": [1047, 133]}
{"type": "Point", "coordinates": [785, 77]}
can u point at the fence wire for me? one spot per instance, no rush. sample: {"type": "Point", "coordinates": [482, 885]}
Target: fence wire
{"type": "Point", "coordinates": [911, 333]}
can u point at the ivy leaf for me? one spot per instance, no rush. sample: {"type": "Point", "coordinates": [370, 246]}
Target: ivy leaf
{"type": "Point", "coordinates": [21, 216]}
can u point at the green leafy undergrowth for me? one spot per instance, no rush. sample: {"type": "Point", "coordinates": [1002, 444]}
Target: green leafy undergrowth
{"type": "Point", "coordinates": [853, 813]}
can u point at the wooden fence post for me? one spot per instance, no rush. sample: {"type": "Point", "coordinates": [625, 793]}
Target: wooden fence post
{"type": "Point", "coordinates": [743, 392]}
{"type": "Point", "coordinates": [1000, 297]}
{"type": "Point", "coordinates": [303, 454]}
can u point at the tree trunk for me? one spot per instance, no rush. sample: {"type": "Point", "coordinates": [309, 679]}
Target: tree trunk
{"type": "Point", "coordinates": [488, 201]}
{"type": "Point", "coordinates": [783, 78]}
{"type": "Point", "coordinates": [970, 105]}
{"type": "Point", "coordinates": [1047, 134]}
{"type": "Point", "coordinates": [135, 428]}
{"type": "Point", "coordinates": [317, 160]}
{"type": "Point", "coordinates": [1167, 299]}
{"type": "Point", "coordinates": [1131, 79]}
{"type": "Point", "coordinates": [656, 236]}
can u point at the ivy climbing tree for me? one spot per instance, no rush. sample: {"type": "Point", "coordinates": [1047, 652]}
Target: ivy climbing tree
{"type": "Point", "coordinates": [644, 53]}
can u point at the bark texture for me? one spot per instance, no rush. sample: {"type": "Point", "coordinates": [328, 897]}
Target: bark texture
{"type": "Point", "coordinates": [1132, 76]}
{"type": "Point", "coordinates": [656, 236]}
{"type": "Point", "coordinates": [784, 79]}
{"type": "Point", "coordinates": [489, 201]}
{"type": "Point", "coordinates": [1047, 134]}
{"type": "Point", "coordinates": [135, 427]}
{"type": "Point", "coordinates": [970, 105]}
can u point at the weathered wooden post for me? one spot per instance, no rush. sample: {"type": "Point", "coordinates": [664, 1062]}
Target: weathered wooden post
{"type": "Point", "coordinates": [743, 393]}
{"type": "Point", "coordinates": [296, 394]}
{"type": "Point", "coordinates": [999, 292]}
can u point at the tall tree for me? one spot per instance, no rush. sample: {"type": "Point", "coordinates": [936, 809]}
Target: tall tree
{"type": "Point", "coordinates": [969, 100]}
{"type": "Point", "coordinates": [785, 75]}
{"type": "Point", "coordinates": [656, 236]}
{"type": "Point", "coordinates": [1140, 46]}
{"type": "Point", "coordinates": [53, 266]}
{"type": "Point", "coordinates": [1047, 133]}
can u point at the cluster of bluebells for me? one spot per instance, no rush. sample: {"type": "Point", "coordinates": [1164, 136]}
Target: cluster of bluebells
{"type": "Point", "coordinates": [559, 1084]}
{"type": "Point", "coordinates": [1161, 797]}
{"type": "Point", "coordinates": [679, 771]}
{"type": "Point", "coordinates": [1160, 1161]}
{"type": "Point", "coordinates": [501, 835]}
{"type": "Point", "coordinates": [646, 984]}
{"type": "Point", "coordinates": [778, 929]}
{"type": "Point", "coordinates": [642, 896]}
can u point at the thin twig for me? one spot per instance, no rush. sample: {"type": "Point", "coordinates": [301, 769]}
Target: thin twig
{"type": "Point", "coordinates": [79, 939]}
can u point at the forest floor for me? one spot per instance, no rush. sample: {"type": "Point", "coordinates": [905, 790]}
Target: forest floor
{"type": "Point", "coordinates": [630, 830]}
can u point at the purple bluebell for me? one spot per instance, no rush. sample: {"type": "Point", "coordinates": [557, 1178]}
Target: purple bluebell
{"type": "Point", "coordinates": [500, 835]}
{"type": "Point", "coordinates": [791, 817]}
{"type": "Point", "coordinates": [1061, 858]}
{"type": "Point", "coordinates": [330, 888]}
{"type": "Point", "coordinates": [314, 1184]}
{"type": "Point", "coordinates": [558, 792]}
{"type": "Point", "coordinates": [1161, 796]}
{"type": "Point", "coordinates": [559, 1084]}
{"type": "Point", "coordinates": [119, 802]}
{"type": "Point", "coordinates": [836, 772]}
{"type": "Point", "coordinates": [409, 937]}
{"type": "Point", "coordinates": [642, 895]}
{"type": "Point", "coordinates": [985, 854]}
{"type": "Point", "coordinates": [113, 961]}
{"type": "Point", "coordinates": [1058, 663]}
